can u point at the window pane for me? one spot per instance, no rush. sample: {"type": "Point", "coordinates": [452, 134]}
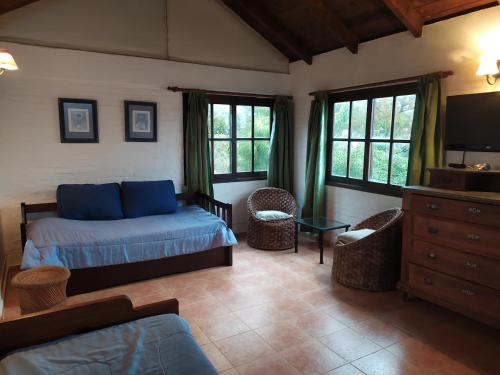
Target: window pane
{"type": "Point", "coordinates": [209, 121]}
{"type": "Point", "coordinates": [244, 156]}
{"type": "Point", "coordinates": [261, 154]}
{"type": "Point", "coordinates": [356, 161]}
{"type": "Point", "coordinates": [339, 158]}
{"type": "Point", "coordinates": [403, 117]}
{"type": "Point", "coordinates": [244, 121]}
{"type": "Point", "coordinates": [222, 121]}
{"type": "Point", "coordinates": [222, 157]}
{"type": "Point", "coordinates": [382, 118]}
{"type": "Point", "coordinates": [399, 168]}
{"type": "Point", "coordinates": [358, 118]}
{"type": "Point", "coordinates": [379, 162]}
{"type": "Point", "coordinates": [262, 118]}
{"type": "Point", "coordinates": [341, 120]}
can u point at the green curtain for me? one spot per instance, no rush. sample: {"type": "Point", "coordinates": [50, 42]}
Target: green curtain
{"type": "Point", "coordinates": [314, 197]}
{"type": "Point", "coordinates": [280, 172]}
{"type": "Point", "coordinates": [198, 173]}
{"type": "Point", "coordinates": [427, 136]}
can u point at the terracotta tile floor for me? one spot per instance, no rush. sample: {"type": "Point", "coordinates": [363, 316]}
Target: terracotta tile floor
{"type": "Point", "coordinates": [281, 313]}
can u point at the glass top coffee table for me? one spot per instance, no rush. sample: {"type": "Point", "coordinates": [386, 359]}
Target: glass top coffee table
{"type": "Point", "coordinates": [320, 224]}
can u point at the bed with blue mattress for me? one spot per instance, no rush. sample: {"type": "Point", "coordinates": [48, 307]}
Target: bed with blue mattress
{"type": "Point", "coordinates": [105, 253]}
{"type": "Point", "coordinates": [75, 244]}
{"type": "Point", "coordinates": [103, 337]}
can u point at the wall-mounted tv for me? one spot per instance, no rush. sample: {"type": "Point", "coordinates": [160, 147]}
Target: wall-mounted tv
{"type": "Point", "coordinates": [473, 122]}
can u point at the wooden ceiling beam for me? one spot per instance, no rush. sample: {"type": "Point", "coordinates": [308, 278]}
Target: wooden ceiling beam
{"type": "Point", "coordinates": [431, 10]}
{"type": "Point", "coordinates": [265, 25]}
{"type": "Point", "coordinates": [408, 16]}
{"type": "Point", "coordinates": [10, 5]}
{"type": "Point", "coordinates": [337, 28]}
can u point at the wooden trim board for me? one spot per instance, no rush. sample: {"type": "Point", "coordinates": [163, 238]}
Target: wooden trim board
{"type": "Point", "coordinates": [3, 280]}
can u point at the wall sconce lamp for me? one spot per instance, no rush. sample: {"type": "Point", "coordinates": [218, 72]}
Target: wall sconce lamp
{"type": "Point", "coordinates": [7, 62]}
{"type": "Point", "coordinates": [489, 67]}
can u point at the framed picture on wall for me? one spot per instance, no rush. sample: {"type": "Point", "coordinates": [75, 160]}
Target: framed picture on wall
{"type": "Point", "coordinates": [140, 122]}
{"type": "Point", "coordinates": [78, 120]}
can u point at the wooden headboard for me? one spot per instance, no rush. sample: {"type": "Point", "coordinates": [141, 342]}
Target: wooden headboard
{"type": "Point", "coordinates": [221, 209]}
{"type": "Point", "coordinates": [49, 325]}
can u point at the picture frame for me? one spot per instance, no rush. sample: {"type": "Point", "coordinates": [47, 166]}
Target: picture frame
{"type": "Point", "coordinates": [78, 120]}
{"type": "Point", "coordinates": [141, 121]}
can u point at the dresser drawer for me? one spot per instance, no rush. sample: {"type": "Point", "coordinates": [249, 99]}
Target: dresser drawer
{"type": "Point", "coordinates": [484, 300]}
{"type": "Point", "coordinates": [454, 209]}
{"type": "Point", "coordinates": [468, 266]}
{"type": "Point", "coordinates": [461, 236]}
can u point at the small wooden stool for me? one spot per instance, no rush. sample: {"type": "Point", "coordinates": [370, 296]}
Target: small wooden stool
{"type": "Point", "coordinates": [41, 288]}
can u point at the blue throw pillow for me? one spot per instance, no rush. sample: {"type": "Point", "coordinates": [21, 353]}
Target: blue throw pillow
{"type": "Point", "coordinates": [146, 198]}
{"type": "Point", "coordinates": [89, 202]}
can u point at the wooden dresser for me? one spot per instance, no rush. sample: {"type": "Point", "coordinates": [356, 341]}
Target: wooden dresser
{"type": "Point", "coordinates": [451, 250]}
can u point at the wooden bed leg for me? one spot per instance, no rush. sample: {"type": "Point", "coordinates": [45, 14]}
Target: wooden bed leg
{"type": "Point", "coordinates": [229, 255]}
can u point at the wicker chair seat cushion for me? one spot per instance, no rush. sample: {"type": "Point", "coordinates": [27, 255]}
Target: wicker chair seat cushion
{"type": "Point", "coordinates": [353, 235]}
{"type": "Point", "coordinates": [272, 215]}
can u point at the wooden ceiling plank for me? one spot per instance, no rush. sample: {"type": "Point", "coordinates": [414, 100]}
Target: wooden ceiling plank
{"type": "Point", "coordinates": [336, 26]}
{"type": "Point", "coordinates": [263, 23]}
{"type": "Point", "coordinates": [405, 12]}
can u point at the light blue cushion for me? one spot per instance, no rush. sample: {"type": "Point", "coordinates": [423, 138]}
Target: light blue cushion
{"type": "Point", "coordinates": [272, 215]}
{"type": "Point", "coordinates": [353, 235]}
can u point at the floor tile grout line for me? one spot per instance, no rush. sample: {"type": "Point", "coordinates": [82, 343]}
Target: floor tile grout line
{"type": "Point", "coordinates": [366, 355]}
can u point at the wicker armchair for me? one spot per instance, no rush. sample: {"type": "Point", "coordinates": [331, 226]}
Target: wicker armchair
{"type": "Point", "coordinates": [273, 234]}
{"type": "Point", "coordinates": [373, 262]}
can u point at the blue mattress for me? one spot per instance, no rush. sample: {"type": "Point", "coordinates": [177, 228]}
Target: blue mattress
{"type": "Point", "coordinates": [160, 344]}
{"type": "Point", "coordinates": [81, 244]}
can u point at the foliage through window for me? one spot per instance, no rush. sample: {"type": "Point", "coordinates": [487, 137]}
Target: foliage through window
{"type": "Point", "coordinates": [369, 138]}
{"type": "Point", "coordinates": [239, 131]}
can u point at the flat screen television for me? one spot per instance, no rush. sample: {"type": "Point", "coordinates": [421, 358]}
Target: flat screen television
{"type": "Point", "coordinates": [473, 122]}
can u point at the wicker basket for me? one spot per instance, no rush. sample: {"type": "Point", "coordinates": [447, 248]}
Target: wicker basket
{"type": "Point", "coordinates": [272, 234]}
{"type": "Point", "coordinates": [41, 288]}
{"type": "Point", "coordinates": [373, 262]}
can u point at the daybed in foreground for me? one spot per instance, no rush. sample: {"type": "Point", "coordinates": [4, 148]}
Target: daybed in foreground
{"type": "Point", "coordinates": [102, 337]}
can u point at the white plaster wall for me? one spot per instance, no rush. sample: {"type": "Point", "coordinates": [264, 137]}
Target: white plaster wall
{"type": "Point", "coordinates": [239, 193]}
{"type": "Point", "coordinates": [200, 31]}
{"type": "Point", "coordinates": [208, 32]}
{"type": "Point", "coordinates": [121, 26]}
{"type": "Point", "coordinates": [454, 44]}
{"type": "Point", "coordinates": [32, 159]}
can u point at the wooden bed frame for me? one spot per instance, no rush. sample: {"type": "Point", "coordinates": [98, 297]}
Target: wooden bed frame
{"type": "Point", "coordinates": [45, 326]}
{"type": "Point", "coordinates": [85, 280]}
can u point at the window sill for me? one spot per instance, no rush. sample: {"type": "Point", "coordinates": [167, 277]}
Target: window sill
{"type": "Point", "coordinates": [367, 187]}
{"type": "Point", "coordinates": [227, 179]}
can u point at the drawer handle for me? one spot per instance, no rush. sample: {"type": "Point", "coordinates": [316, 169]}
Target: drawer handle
{"type": "Point", "coordinates": [474, 210]}
{"type": "Point", "coordinates": [432, 256]}
{"type": "Point", "coordinates": [473, 237]}
{"type": "Point", "coordinates": [432, 206]}
{"type": "Point", "coordinates": [428, 281]}
{"type": "Point", "coordinates": [471, 265]}
{"type": "Point", "coordinates": [432, 230]}
{"type": "Point", "coordinates": [468, 292]}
